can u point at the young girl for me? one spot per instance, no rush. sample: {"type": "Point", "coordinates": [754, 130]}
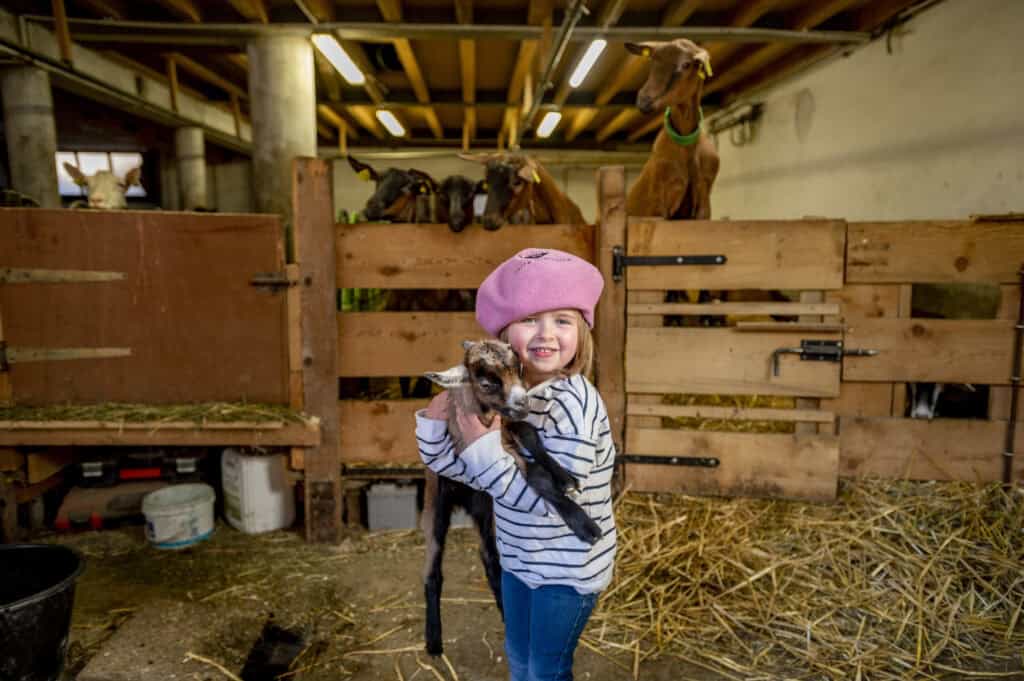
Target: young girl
{"type": "Point", "coordinates": [541, 302]}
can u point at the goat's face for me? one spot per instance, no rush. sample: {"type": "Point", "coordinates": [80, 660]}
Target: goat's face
{"type": "Point", "coordinates": [507, 178]}
{"type": "Point", "coordinates": [492, 372]}
{"type": "Point", "coordinates": [456, 195]}
{"type": "Point", "coordinates": [395, 193]}
{"type": "Point", "coordinates": [103, 188]}
{"type": "Point", "coordinates": [678, 70]}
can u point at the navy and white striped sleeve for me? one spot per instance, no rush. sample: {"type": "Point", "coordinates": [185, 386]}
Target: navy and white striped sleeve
{"type": "Point", "coordinates": [483, 465]}
{"type": "Point", "coordinates": [574, 424]}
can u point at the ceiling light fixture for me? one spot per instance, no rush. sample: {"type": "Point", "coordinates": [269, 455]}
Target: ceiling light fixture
{"type": "Point", "coordinates": [390, 122]}
{"type": "Point", "coordinates": [548, 123]}
{"type": "Point", "coordinates": [587, 62]}
{"type": "Point", "coordinates": [333, 51]}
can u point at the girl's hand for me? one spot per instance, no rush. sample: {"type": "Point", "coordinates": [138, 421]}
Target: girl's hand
{"type": "Point", "coordinates": [438, 407]}
{"type": "Point", "coordinates": [471, 427]}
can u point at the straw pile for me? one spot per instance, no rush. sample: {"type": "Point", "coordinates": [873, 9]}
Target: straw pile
{"type": "Point", "coordinates": [897, 580]}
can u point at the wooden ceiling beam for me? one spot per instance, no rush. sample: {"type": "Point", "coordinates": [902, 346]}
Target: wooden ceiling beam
{"type": "Point", "coordinates": [467, 52]}
{"type": "Point", "coordinates": [609, 16]}
{"type": "Point", "coordinates": [676, 14]}
{"type": "Point", "coordinates": [328, 75]}
{"type": "Point", "coordinates": [183, 9]}
{"type": "Point", "coordinates": [208, 75]}
{"type": "Point", "coordinates": [104, 9]}
{"type": "Point", "coordinates": [391, 11]}
{"type": "Point", "coordinates": [364, 116]}
{"type": "Point", "coordinates": [468, 127]}
{"type": "Point", "coordinates": [60, 17]}
{"type": "Point", "coordinates": [329, 114]}
{"type": "Point", "coordinates": [538, 13]}
{"type": "Point", "coordinates": [252, 10]}
{"type": "Point", "coordinates": [619, 121]}
{"type": "Point", "coordinates": [323, 10]}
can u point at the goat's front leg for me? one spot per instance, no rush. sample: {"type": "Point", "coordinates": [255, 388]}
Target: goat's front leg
{"type": "Point", "coordinates": [437, 517]}
{"type": "Point", "coordinates": [525, 436]}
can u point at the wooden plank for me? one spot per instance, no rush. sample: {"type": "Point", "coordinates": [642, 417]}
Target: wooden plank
{"type": "Point", "coordinates": [432, 256]}
{"type": "Point", "coordinates": [934, 252]}
{"type": "Point", "coordinates": [946, 350]}
{"type": "Point", "coordinates": [6, 390]}
{"type": "Point", "coordinates": [172, 82]}
{"type": "Point", "coordinates": [197, 329]}
{"type": "Point", "coordinates": [761, 254]}
{"type": "Point", "coordinates": [291, 434]}
{"type": "Point", "coordinates": [751, 464]}
{"type": "Point", "coordinates": [60, 26]}
{"type": "Point", "coordinates": [293, 302]}
{"type": "Point", "coordinates": [860, 399]}
{"type": "Point", "coordinates": [998, 397]}
{"type": "Point", "coordinates": [314, 251]}
{"type": "Point", "coordinates": [916, 449]}
{"type": "Point", "coordinates": [9, 531]}
{"type": "Point", "coordinates": [719, 361]}
{"type": "Point", "coordinates": [810, 321]}
{"type": "Point", "coordinates": [727, 309]}
{"type": "Point", "coordinates": [864, 301]}
{"type": "Point", "coordinates": [639, 299]}
{"type": "Point", "coordinates": [610, 322]}
{"type": "Point", "coordinates": [790, 327]}
{"type": "Point", "coordinates": [731, 413]}
{"type": "Point", "coordinates": [402, 343]}
{"type": "Point", "coordinates": [379, 432]}
{"type": "Point", "coordinates": [11, 459]}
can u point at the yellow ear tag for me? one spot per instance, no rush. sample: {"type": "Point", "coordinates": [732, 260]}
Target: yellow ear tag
{"type": "Point", "coordinates": [647, 52]}
{"type": "Point", "coordinates": [536, 177]}
{"type": "Point", "coordinates": [364, 175]}
{"type": "Point", "coordinates": [705, 70]}
{"type": "Point", "coordinates": [484, 186]}
{"type": "Point", "coordinates": [423, 190]}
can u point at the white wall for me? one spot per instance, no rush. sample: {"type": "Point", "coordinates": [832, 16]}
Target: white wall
{"type": "Point", "coordinates": [578, 179]}
{"type": "Point", "coordinates": [934, 130]}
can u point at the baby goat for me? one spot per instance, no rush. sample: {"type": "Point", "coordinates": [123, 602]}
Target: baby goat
{"type": "Point", "coordinates": [489, 382]}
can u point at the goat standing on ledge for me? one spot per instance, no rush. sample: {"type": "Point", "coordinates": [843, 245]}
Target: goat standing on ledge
{"type": "Point", "coordinates": [521, 191]}
{"type": "Point", "coordinates": [399, 196]}
{"type": "Point", "coordinates": [487, 383]}
{"type": "Point", "coordinates": [676, 181]}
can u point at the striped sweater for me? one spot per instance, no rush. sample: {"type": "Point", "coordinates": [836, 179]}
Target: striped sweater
{"type": "Point", "coordinates": [534, 543]}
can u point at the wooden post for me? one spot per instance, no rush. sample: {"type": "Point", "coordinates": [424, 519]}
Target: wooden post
{"type": "Point", "coordinates": [610, 325]}
{"type": "Point", "coordinates": [236, 113]}
{"type": "Point", "coordinates": [172, 81]}
{"type": "Point", "coordinates": [808, 402]}
{"type": "Point", "coordinates": [6, 392]}
{"type": "Point", "coordinates": [60, 18]}
{"type": "Point", "coordinates": [314, 250]}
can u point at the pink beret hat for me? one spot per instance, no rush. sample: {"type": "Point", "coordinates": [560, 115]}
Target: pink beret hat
{"type": "Point", "coordinates": [536, 280]}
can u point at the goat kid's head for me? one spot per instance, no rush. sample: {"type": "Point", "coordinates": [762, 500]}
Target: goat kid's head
{"type": "Point", "coordinates": [456, 195]}
{"type": "Point", "coordinates": [396, 191]}
{"type": "Point", "coordinates": [494, 374]}
{"type": "Point", "coordinates": [507, 178]}
{"type": "Point", "coordinates": [678, 70]}
{"type": "Point", "coordinates": [103, 188]}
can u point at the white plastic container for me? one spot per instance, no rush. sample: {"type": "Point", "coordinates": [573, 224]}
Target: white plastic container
{"type": "Point", "coordinates": [257, 496]}
{"type": "Point", "coordinates": [179, 515]}
{"type": "Point", "coordinates": [391, 507]}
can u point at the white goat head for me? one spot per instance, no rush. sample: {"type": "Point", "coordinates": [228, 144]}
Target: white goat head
{"type": "Point", "coordinates": [493, 376]}
{"type": "Point", "coordinates": [104, 189]}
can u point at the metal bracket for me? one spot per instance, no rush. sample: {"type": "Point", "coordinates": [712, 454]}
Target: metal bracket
{"type": "Point", "coordinates": [819, 351]}
{"type": "Point", "coordinates": [697, 461]}
{"type": "Point", "coordinates": [275, 281]}
{"type": "Point", "coordinates": [620, 260]}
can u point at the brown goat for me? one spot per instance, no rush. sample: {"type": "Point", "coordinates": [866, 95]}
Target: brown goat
{"type": "Point", "coordinates": [487, 383]}
{"type": "Point", "coordinates": [521, 191]}
{"type": "Point", "coordinates": [676, 180]}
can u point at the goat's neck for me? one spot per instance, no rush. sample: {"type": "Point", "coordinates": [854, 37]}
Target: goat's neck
{"type": "Point", "coordinates": [685, 116]}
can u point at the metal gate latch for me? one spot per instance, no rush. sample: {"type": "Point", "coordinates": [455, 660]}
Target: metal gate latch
{"type": "Point", "coordinates": [819, 351]}
{"type": "Point", "coordinates": [620, 260]}
{"type": "Point", "coordinates": [699, 461]}
{"type": "Point", "coordinates": [274, 281]}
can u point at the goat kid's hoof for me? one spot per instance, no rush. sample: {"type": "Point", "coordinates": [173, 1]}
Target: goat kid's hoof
{"type": "Point", "coordinates": [435, 649]}
{"type": "Point", "coordinates": [587, 531]}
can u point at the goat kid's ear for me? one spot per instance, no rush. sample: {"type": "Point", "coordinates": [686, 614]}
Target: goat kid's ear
{"type": "Point", "coordinates": [364, 170]}
{"type": "Point", "coordinates": [424, 179]}
{"type": "Point", "coordinates": [478, 158]}
{"type": "Point", "coordinates": [452, 378]}
{"type": "Point", "coordinates": [75, 174]}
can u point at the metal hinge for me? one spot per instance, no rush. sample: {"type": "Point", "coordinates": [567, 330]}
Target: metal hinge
{"type": "Point", "coordinates": [698, 461]}
{"type": "Point", "coordinates": [275, 281]}
{"type": "Point", "coordinates": [620, 260]}
{"type": "Point", "coordinates": [819, 351]}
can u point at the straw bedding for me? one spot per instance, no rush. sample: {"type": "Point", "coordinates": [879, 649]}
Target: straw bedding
{"type": "Point", "coordinates": [895, 580]}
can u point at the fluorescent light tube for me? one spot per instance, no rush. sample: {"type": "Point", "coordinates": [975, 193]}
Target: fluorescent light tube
{"type": "Point", "coordinates": [331, 48]}
{"type": "Point", "coordinates": [587, 62]}
{"type": "Point", "coordinates": [390, 122]}
{"type": "Point", "coordinates": [548, 123]}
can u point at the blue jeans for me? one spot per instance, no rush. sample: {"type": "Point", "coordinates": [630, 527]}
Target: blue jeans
{"type": "Point", "coordinates": [542, 628]}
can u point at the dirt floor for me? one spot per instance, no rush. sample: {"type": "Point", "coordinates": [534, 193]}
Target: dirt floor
{"type": "Point", "coordinates": [359, 604]}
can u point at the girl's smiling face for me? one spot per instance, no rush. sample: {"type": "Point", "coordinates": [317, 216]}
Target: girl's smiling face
{"type": "Point", "coordinates": [545, 342]}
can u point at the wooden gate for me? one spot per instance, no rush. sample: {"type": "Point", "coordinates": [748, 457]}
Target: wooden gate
{"type": "Point", "coordinates": [669, 367]}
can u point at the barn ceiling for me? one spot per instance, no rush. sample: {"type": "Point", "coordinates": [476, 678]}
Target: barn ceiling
{"type": "Point", "coordinates": [466, 72]}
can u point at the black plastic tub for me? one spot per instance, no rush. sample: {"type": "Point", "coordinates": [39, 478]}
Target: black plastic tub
{"type": "Point", "coordinates": [37, 592]}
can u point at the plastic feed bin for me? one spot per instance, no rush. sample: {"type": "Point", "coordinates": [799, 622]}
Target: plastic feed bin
{"type": "Point", "coordinates": [391, 507]}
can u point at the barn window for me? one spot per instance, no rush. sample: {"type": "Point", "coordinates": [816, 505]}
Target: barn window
{"type": "Point", "coordinates": [89, 162]}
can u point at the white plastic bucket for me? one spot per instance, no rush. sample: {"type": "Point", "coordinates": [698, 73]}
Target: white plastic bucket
{"type": "Point", "coordinates": [179, 515]}
{"type": "Point", "coordinates": [257, 496]}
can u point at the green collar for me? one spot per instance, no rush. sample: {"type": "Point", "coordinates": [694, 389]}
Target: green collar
{"type": "Point", "coordinates": [683, 140]}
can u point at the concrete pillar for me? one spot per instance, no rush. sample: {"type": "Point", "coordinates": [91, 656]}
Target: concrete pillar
{"type": "Point", "coordinates": [282, 95]}
{"type": "Point", "coordinates": [191, 157]}
{"type": "Point", "coordinates": [31, 133]}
